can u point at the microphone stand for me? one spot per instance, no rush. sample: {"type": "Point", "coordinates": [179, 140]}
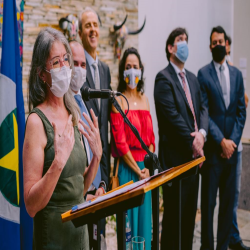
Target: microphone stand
{"type": "Point", "coordinates": [151, 161]}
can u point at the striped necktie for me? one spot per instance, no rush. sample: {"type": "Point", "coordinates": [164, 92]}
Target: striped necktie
{"type": "Point", "coordinates": [189, 99]}
{"type": "Point", "coordinates": [223, 84]}
{"type": "Point", "coordinates": [96, 79]}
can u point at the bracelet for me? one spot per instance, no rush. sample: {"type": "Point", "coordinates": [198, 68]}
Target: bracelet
{"type": "Point", "coordinates": [103, 189]}
{"type": "Point", "coordinates": [103, 185]}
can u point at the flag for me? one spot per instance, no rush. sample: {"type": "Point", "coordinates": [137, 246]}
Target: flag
{"type": "Point", "coordinates": [15, 224]}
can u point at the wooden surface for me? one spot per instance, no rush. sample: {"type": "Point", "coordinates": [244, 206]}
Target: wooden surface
{"type": "Point", "coordinates": [151, 184]}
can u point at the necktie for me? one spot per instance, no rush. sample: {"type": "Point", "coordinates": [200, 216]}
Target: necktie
{"type": "Point", "coordinates": [189, 99]}
{"type": "Point", "coordinates": [96, 79]}
{"type": "Point", "coordinates": [223, 84]}
{"type": "Point", "coordinates": [82, 107]}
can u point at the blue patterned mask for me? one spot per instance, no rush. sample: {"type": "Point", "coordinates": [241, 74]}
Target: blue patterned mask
{"type": "Point", "coordinates": [182, 51]}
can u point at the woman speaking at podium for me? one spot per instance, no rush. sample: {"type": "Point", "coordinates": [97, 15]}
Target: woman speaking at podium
{"type": "Point", "coordinates": [125, 146]}
{"type": "Point", "coordinates": [54, 159]}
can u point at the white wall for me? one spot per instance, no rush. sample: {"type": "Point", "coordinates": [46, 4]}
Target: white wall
{"type": "Point", "coordinates": [241, 40]}
{"type": "Point", "coordinates": [197, 16]}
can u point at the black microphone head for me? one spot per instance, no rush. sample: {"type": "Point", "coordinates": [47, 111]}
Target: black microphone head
{"type": "Point", "coordinates": [85, 93]}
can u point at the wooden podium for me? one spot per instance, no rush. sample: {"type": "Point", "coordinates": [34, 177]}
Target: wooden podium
{"type": "Point", "coordinates": [119, 204]}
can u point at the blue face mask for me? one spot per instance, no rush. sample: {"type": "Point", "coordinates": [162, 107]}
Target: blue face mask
{"type": "Point", "coordinates": [182, 51]}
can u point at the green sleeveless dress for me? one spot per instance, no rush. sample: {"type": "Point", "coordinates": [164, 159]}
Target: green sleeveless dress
{"type": "Point", "coordinates": [49, 231]}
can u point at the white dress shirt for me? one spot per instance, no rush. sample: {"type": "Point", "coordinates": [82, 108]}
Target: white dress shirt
{"type": "Point", "coordinates": [90, 61]}
{"type": "Point", "coordinates": [226, 72]}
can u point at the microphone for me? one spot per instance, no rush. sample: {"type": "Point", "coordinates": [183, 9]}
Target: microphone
{"type": "Point", "coordinates": [89, 93]}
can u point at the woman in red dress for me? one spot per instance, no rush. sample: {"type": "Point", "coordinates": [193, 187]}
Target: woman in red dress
{"type": "Point", "coordinates": [125, 145]}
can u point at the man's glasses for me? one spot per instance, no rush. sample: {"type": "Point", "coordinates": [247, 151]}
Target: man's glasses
{"type": "Point", "coordinates": [56, 62]}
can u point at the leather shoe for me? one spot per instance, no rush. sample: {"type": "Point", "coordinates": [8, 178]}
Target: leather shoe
{"type": "Point", "coordinates": [239, 246]}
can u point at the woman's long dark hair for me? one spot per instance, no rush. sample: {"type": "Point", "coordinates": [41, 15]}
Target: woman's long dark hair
{"type": "Point", "coordinates": [122, 84]}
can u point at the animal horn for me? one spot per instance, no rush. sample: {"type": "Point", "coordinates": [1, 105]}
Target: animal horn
{"type": "Point", "coordinates": [117, 27]}
{"type": "Point", "coordinates": [61, 22]}
{"type": "Point", "coordinates": [139, 30]}
{"type": "Point", "coordinates": [99, 19]}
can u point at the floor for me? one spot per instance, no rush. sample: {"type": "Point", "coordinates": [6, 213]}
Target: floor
{"type": "Point", "coordinates": [243, 223]}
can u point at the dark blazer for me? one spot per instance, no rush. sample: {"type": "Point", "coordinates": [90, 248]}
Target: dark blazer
{"type": "Point", "coordinates": [223, 123]}
{"type": "Point", "coordinates": [175, 118]}
{"type": "Point", "coordinates": [102, 114]}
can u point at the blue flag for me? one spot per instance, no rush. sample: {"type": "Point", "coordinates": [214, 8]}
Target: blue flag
{"type": "Point", "coordinates": [16, 227]}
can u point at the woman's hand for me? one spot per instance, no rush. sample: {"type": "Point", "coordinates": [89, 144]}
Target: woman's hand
{"type": "Point", "coordinates": [144, 174]}
{"type": "Point", "coordinates": [64, 143]}
{"type": "Point", "coordinates": [92, 134]}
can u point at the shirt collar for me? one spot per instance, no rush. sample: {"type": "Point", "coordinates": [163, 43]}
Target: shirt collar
{"type": "Point", "coordinates": [90, 59]}
{"type": "Point", "coordinates": [177, 70]}
{"type": "Point", "coordinates": [217, 65]}
{"type": "Point", "coordinates": [78, 93]}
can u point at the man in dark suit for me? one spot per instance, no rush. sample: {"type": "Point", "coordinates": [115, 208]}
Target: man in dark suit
{"type": "Point", "coordinates": [235, 241]}
{"type": "Point", "coordinates": [223, 93]}
{"type": "Point", "coordinates": [183, 124]}
{"type": "Point", "coordinates": [98, 77]}
{"type": "Point", "coordinates": [79, 78]}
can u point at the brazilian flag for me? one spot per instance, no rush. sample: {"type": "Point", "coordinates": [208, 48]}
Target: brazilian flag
{"type": "Point", "coordinates": [15, 224]}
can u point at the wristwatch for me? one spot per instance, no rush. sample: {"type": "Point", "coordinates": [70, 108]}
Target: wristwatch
{"type": "Point", "coordinates": [204, 133]}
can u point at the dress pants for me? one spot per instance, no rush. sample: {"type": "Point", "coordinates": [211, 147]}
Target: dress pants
{"type": "Point", "coordinates": [235, 234]}
{"type": "Point", "coordinates": [170, 223]}
{"type": "Point", "coordinates": [223, 177]}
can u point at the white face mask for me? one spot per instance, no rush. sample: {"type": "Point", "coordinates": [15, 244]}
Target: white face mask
{"type": "Point", "coordinates": [60, 81]}
{"type": "Point", "coordinates": [132, 77]}
{"type": "Point", "coordinates": [79, 78]}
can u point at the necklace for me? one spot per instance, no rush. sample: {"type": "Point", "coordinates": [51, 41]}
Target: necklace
{"type": "Point", "coordinates": [133, 99]}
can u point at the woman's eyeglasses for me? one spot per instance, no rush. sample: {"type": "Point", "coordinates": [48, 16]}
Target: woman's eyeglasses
{"type": "Point", "coordinates": [56, 62]}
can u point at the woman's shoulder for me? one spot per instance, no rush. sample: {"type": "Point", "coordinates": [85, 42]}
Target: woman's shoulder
{"type": "Point", "coordinates": [145, 100]}
{"type": "Point", "coordinates": [37, 118]}
{"type": "Point", "coordinates": [33, 122]}
{"type": "Point", "coordinates": [34, 129]}
{"type": "Point", "coordinates": [120, 102]}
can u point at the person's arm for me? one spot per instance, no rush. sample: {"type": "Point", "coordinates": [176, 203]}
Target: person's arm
{"type": "Point", "coordinates": [125, 151]}
{"type": "Point", "coordinates": [200, 136]}
{"type": "Point", "coordinates": [92, 134]}
{"type": "Point", "coordinates": [240, 114]}
{"type": "Point", "coordinates": [164, 101]}
{"type": "Point", "coordinates": [152, 145]}
{"type": "Point", "coordinates": [104, 175]}
{"type": "Point", "coordinates": [38, 189]}
{"type": "Point", "coordinates": [246, 100]}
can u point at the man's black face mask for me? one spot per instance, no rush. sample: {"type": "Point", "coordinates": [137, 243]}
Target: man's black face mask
{"type": "Point", "coordinates": [218, 53]}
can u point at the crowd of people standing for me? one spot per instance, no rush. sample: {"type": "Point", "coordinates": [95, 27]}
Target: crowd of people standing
{"type": "Point", "coordinates": [68, 161]}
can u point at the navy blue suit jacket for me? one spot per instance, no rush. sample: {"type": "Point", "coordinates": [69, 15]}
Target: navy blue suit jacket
{"type": "Point", "coordinates": [223, 123]}
{"type": "Point", "coordinates": [175, 118]}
